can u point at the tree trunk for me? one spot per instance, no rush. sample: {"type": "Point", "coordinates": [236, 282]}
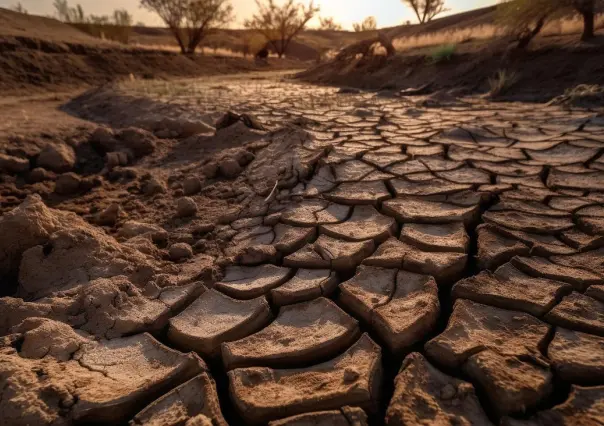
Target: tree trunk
{"type": "Point", "coordinates": [588, 24]}
{"type": "Point", "coordinates": [526, 38]}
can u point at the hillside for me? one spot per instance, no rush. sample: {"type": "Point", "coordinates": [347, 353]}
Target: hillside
{"type": "Point", "coordinates": [38, 53]}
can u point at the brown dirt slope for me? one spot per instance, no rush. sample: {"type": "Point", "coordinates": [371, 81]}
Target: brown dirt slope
{"type": "Point", "coordinates": [42, 53]}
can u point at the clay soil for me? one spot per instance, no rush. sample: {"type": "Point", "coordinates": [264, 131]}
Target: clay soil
{"type": "Point", "coordinates": [310, 255]}
{"type": "Point", "coordinates": [250, 249]}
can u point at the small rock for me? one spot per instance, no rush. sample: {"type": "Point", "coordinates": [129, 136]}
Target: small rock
{"type": "Point", "coordinates": [210, 170]}
{"type": "Point", "coordinates": [104, 139]}
{"type": "Point", "coordinates": [11, 164]}
{"type": "Point", "coordinates": [58, 158]}
{"type": "Point", "coordinates": [252, 122]}
{"type": "Point", "coordinates": [227, 120]}
{"type": "Point", "coordinates": [40, 175]}
{"type": "Point", "coordinates": [115, 159]}
{"type": "Point", "coordinates": [191, 185]}
{"type": "Point", "coordinates": [180, 251]}
{"type": "Point", "coordinates": [447, 392]}
{"type": "Point", "coordinates": [109, 216]}
{"type": "Point", "coordinates": [203, 228]}
{"type": "Point", "coordinates": [68, 183]}
{"type": "Point", "coordinates": [186, 207]}
{"type": "Point", "coordinates": [230, 168]}
{"type": "Point", "coordinates": [154, 186]}
{"type": "Point", "coordinates": [244, 157]}
{"type": "Point", "coordinates": [140, 141]}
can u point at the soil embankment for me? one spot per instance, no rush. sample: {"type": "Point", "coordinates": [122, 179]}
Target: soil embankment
{"type": "Point", "coordinates": [39, 53]}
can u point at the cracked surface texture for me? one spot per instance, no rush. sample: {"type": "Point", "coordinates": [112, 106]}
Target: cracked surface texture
{"type": "Point", "coordinates": [372, 261]}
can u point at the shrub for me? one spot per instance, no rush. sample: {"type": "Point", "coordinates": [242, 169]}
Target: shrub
{"type": "Point", "coordinates": [443, 53]}
{"type": "Point", "coordinates": [502, 82]}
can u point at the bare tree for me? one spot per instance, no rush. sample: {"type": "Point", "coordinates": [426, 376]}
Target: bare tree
{"type": "Point", "coordinates": [280, 24]}
{"type": "Point", "coordinates": [328, 24]}
{"type": "Point", "coordinates": [72, 15]}
{"type": "Point", "coordinates": [426, 10]}
{"type": "Point", "coordinates": [524, 19]}
{"type": "Point", "coordinates": [190, 21]}
{"type": "Point", "coordinates": [532, 14]}
{"type": "Point", "coordinates": [368, 24]}
{"type": "Point", "coordinates": [19, 8]}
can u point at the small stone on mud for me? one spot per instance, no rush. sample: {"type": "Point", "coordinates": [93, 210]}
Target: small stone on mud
{"type": "Point", "coordinates": [230, 168]}
{"type": "Point", "coordinates": [154, 186]}
{"type": "Point", "coordinates": [68, 183]}
{"type": "Point", "coordinates": [109, 216]}
{"type": "Point", "coordinates": [191, 185]}
{"type": "Point", "coordinates": [210, 170]}
{"type": "Point", "coordinates": [447, 392]}
{"type": "Point", "coordinates": [180, 251]}
{"type": "Point", "coordinates": [186, 207]}
{"type": "Point", "coordinates": [58, 158]}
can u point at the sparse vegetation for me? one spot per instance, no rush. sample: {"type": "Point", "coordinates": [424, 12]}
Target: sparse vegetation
{"type": "Point", "coordinates": [117, 27]}
{"type": "Point", "coordinates": [426, 10]}
{"type": "Point", "coordinates": [190, 21]}
{"type": "Point", "coordinates": [281, 24]}
{"type": "Point", "coordinates": [368, 24]}
{"type": "Point", "coordinates": [526, 18]}
{"type": "Point", "coordinates": [329, 24]}
{"type": "Point", "coordinates": [19, 8]}
{"type": "Point", "coordinates": [502, 82]}
{"type": "Point", "coordinates": [443, 53]}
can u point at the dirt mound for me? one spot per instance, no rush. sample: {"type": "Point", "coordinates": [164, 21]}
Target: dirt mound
{"type": "Point", "coordinates": [469, 71]}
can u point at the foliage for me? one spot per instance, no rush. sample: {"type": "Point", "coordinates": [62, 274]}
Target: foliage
{"type": "Point", "coordinates": [368, 24]}
{"type": "Point", "coordinates": [280, 24]}
{"type": "Point", "coordinates": [443, 53]}
{"type": "Point", "coordinates": [426, 10]}
{"type": "Point", "coordinates": [328, 24]}
{"type": "Point", "coordinates": [190, 21]}
{"type": "Point", "coordinates": [502, 82]}
{"type": "Point", "coordinates": [19, 9]}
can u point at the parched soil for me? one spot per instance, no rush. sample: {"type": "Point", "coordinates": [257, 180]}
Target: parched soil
{"type": "Point", "coordinates": [313, 256]}
{"type": "Point", "coordinates": [547, 69]}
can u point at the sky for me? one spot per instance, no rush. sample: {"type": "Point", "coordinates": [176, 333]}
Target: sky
{"type": "Point", "coordinates": [346, 12]}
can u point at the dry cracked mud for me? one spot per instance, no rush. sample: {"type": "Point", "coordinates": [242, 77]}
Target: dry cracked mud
{"type": "Point", "coordinates": [314, 258]}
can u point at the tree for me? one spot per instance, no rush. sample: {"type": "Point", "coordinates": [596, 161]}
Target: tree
{"type": "Point", "coordinates": [190, 21]}
{"type": "Point", "coordinates": [524, 19]}
{"type": "Point", "coordinates": [122, 18]}
{"type": "Point", "coordinates": [368, 24]}
{"type": "Point", "coordinates": [20, 9]}
{"type": "Point", "coordinates": [426, 10]}
{"type": "Point", "coordinates": [72, 15]}
{"type": "Point", "coordinates": [280, 24]}
{"type": "Point", "coordinates": [328, 24]}
{"type": "Point", "coordinates": [587, 9]}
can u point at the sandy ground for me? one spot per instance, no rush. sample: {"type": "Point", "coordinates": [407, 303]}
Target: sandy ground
{"type": "Point", "coordinates": [316, 255]}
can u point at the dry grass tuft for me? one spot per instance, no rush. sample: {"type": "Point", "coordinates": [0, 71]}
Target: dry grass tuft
{"type": "Point", "coordinates": [488, 31]}
{"type": "Point", "coordinates": [457, 36]}
{"type": "Point", "coordinates": [502, 82]}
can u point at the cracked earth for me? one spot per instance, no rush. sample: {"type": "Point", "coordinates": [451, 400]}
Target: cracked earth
{"type": "Point", "coordinates": [331, 258]}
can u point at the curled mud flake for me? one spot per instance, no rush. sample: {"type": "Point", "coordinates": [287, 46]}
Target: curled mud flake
{"type": "Point", "coordinates": [261, 394]}
{"type": "Point", "coordinates": [301, 334]}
